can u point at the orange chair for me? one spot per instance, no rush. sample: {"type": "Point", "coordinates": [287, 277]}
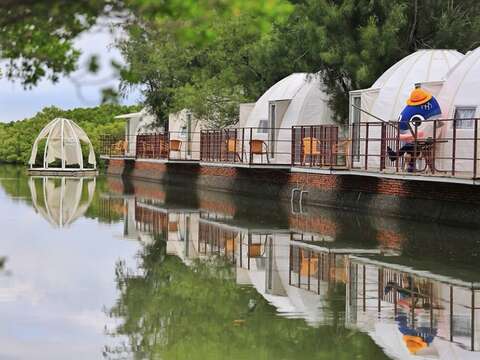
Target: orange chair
{"type": "Point", "coordinates": [120, 147]}
{"type": "Point", "coordinates": [148, 150]}
{"type": "Point", "coordinates": [311, 147]}
{"type": "Point", "coordinates": [175, 145]}
{"type": "Point", "coordinates": [258, 147]}
{"type": "Point", "coordinates": [233, 147]}
{"type": "Point", "coordinates": [342, 149]}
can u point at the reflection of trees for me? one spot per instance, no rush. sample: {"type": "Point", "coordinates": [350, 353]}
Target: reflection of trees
{"type": "Point", "coordinates": [167, 310]}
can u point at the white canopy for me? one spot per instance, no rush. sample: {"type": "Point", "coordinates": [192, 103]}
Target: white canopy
{"type": "Point", "coordinates": [63, 139]}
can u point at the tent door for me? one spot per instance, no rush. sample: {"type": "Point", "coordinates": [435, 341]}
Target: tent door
{"type": "Point", "coordinates": [272, 129]}
{"type": "Point", "coordinates": [356, 116]}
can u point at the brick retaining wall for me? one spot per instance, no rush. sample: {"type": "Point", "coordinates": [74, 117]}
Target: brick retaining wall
{"type": "Point", "coordinates": [447, 202]}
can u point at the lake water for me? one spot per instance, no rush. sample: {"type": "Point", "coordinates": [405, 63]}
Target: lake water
{"type": "Point", "coordinates": [105, 268]}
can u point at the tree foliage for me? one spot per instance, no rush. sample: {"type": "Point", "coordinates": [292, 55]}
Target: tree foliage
{"type": "Point", "coordinates": [36, 37]}
{"type": "Point", "coordinates": [17, 137]}
{"type": "Point", "coordinates": [348, 43]}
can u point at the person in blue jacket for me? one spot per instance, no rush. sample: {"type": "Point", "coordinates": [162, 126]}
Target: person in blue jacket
{"type": "Point", "coordinates": [421, 105]}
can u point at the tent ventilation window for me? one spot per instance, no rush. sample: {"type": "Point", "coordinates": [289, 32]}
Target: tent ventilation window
{"type": "Point", "coordinates": [464, 117]}
{"type": "Point", "coordinates": [263, 127]}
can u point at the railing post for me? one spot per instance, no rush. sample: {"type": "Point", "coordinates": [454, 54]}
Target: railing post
{"type": "Point", "coordinates": [201, 148]}
{"type": "Point", "coordinates": [302, 142]}
{"type": "Point", "coordinates": [415, 147]}
{"type": "Point", "coordinates": [243, 143]}
{"type": "Point", "coordinates": [434, 147]}
{"type": "Point", "coordinates": [352, 137]}
{"type": "Point", "coordinates": [250, 147]}
{"type": "Point", "coordinates": [475, 149]}
{"type": "Point", "coordinates": [454, 145]}
{"type": "Point", "coordinates": [168, 145]}
{"type": "Point", "coordinates": [220, 144]}
{"type": "Point", "coordinates": [383, 145]}
{"type": "Point", "coordinates": [311, 145]}
{"type": "Point", "coordinates": [235, 146]}
{"type": "Point", "coordinates": [366, 145]}
{"type": "Point", "coordinates": [292, 148]}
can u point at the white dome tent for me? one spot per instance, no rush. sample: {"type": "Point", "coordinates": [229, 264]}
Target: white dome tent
{"type": "Point", "coordinates": [459, 98]}
{"type": "Point", "coordinates": [63, 140]}
{"type": "Point", "coordinates": [297, 99]}
{"type": "Point", "coordinates": [386, 98]}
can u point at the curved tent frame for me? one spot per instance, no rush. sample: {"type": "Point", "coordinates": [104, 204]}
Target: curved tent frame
{"type": "Point", "coordinates": [63, 141]}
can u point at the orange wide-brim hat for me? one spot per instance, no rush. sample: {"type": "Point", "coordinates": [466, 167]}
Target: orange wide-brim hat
{"type": "Point", "coordinates": [418, 97]}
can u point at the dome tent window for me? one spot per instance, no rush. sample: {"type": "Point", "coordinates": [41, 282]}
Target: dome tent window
{"type": "Point", "coordinates": [464, 117]}
{"type": "Point", "coordinates": [60, 143]}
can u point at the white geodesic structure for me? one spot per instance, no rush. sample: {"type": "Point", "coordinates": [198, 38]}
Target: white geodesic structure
{"type": "Point", "coordinates": [63, 142]}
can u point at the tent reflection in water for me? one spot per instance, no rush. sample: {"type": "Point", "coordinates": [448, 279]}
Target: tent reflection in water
{"type": "Point", "coordinates": [61, 200]}
{"type": "Point", "coordinates": [62, 140]}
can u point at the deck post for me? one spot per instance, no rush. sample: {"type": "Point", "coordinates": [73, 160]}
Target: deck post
{"type": "Point", "coordinates": [243, 142]}
{"type": "Point", "coordinates": [302, 150]}
{"type": "Point", "coordinates": [366, 145]}
{"type": "Point", "coordinates": [311, 146]}
{"type": "Point", "coordinates": [454, 143]}
{"type": "Point", "coordinates": [475, 149]}
{"type": "Point", "coordinates": [434, 146]}
{"type": "Point", "coordinates": [292, 148]}
{"type": "Point", "coordinates": [250, 147]}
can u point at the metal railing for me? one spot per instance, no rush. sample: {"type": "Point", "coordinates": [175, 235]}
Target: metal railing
{"type": "Point", "coordinates": [447, 147]}
{"type": "Point", "coordinates": [318, 146]}
{"type": "Point", "coordinates": [173, 145]}
{"type": "Point", "coordinates": [246, 145]}
{"type": "Point", "coordinates": [116, 146]}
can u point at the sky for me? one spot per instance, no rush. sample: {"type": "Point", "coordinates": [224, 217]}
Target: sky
{"type": "Point", "coordinates": [17, 103]}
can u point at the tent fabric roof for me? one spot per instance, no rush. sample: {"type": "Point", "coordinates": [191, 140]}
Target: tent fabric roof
{"type": "Point", "coordinates": [308, 101]}
{"type": "Point", "coordinates": [63, 142]}
{"type": "Point", "coordinates": [397, 82]}
{"type": "Point", "coordinates": [462, 85]}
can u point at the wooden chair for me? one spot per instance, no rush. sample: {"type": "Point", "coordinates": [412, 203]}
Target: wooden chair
{"type": "Point", "coordinates": [175, 146]}
{"type": "Point", "coordinates": [258, 147]}
{"type": "Point", "coordinates": [311, 147]}
{"type": "Point", "coordinates": [342, 149]}
{"type": "Point", "coordinates": [120, 147]}
{"type": "Point", "coordinates": [233, 147]}
{"type": "Point", "coordinates": [148, 150]}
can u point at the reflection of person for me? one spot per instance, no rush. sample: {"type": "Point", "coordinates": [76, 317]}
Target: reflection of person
{"type": "Point", "coordinates": [421, 105]}
{"type": "Point", "coordinates": [417, 338]}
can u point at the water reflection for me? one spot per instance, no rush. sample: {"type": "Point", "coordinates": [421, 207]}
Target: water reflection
{"type": "Point", "coordinates": [59, 199]}
{"type": "Point", "coordinates": [342, 274]}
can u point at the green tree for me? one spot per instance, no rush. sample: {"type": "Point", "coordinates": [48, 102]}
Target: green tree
{"type": "Point", "coordinates": [37, 37]}
{"type": "Point", "coordinates": [17, 137]}
{"type": "Point", "coordinates": [352, 42]}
